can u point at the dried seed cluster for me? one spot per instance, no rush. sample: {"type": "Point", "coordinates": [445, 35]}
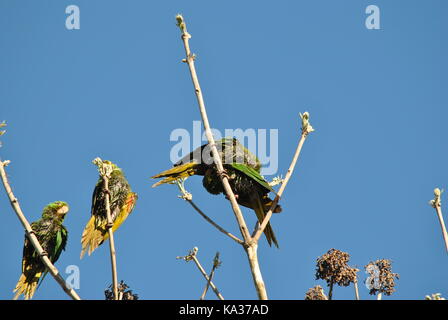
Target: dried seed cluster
{"type": "Point", "coordinates": [315, 293]}
{"type": "Point", "coordinates": [333, 267]}
{"type": "Point", "coordinates": [385, 277]}
{"type": "Point", "coordinates": [435, 296]}
{"type": "Point", "coordinates": [126, 294]}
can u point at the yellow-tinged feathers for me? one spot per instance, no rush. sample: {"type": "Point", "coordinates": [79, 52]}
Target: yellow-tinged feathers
{"type": "Point", "coordinates": [175, 173]}
{"type": "Point", "coordinates": [95, 232]}
{"type": "Point", "coordinates": [25, 286]}
{"type": "Point", "coordinates": [92, 236]}
{"type": "Point", "coordinates": [259, 209]}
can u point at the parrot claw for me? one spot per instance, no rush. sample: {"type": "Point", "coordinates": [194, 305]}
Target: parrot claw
{"type": "Point", "coordinates": [223, 174]}
{"type": "Point", "coordinates": [44, 253]}
{"type": "Point", "coordinates": [109, 225]}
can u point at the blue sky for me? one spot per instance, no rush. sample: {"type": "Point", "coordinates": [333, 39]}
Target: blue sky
{"type": "Point", "coordinates": [116, 89]}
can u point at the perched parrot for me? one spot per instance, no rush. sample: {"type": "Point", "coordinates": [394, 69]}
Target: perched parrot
{"type": "Point", "coordinates": [243, 168]}
{"type": "Point", "coordinates": [122, 202]}
{"type": "Point", "coordinates": [52, 236]}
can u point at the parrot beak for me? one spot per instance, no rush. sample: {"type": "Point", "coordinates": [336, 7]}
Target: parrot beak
{"type": "Point", "coordinates": [62, 211]}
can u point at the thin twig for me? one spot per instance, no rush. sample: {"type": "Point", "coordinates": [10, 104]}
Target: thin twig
{"type": "Point", "coordinates": [189, 198]}
{"type": "Point", "coordinates": [192, 256]}
{"type": "Point", "coordinates": [355, 284]}
{"type": "Point", "coordinates": [105, 171]}
{"type": "Point", "coordinates": [330, 291]}
{"type": "Point", "coordinates": [437, 204]}
{"type": "Point", "coordinates": [235, 238]}
{"type": "Point", "coordinates": [306, 129]}
{"type": "Point", "coordinates": [32, 237]}
{"type": "Point", "coordinates": [216, 264]}
{"type": "Point", "coordinates": [249, 245]}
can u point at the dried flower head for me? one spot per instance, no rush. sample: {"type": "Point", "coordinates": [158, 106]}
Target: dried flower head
{"type": "Point", "coordinates": [436, 202]}
{"type": "Point", "coordinates": [333, 267]}
{"type": "Point", "coordinates": [382, 279]}
{"type": "Point", "coordinates": [435, 296]}
{"type": "Point", "coordinates": [306, 126]}
{"type": "Point", "coordinates": [315, 293]}
{"type": "Point", "coordinates": [123, 293]}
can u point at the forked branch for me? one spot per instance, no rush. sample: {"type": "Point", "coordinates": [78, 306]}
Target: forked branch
{"type": "Point", "coordinates": [192, 257]}
{"type": "Point", "coordinates": [250, 243]}
{"type": "Point", "coordinates": [190, 58]}
{"type": "Point", "coordinates": [216, 265]}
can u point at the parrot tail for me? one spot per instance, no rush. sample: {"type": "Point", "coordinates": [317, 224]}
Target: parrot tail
{"type": "Point", "coordinates": [92, 237]}
{"type": "Point", "coordinates": [27, 286]}
{"type": "Point", "coordinates": [267, 203]}
{"type": "Point", "coordinates": [175, 173]}
{"type": "Point", "coordinates": [259, 209]}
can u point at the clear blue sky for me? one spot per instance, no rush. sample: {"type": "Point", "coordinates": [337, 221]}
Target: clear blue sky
{"type": "Point", "coordinates": [116, 89]}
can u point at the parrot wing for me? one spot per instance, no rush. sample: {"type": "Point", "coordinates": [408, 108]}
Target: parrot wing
{"type": "Point", "coordinates": [177, 172]}
{"type": "Point", "coordinates": [60, 243]}
{"type": "Point", "coordinates": [253, 174]}
{"type": "Point", "coordinates": [96, 195]}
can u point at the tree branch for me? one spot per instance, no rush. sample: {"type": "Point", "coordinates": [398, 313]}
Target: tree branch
{"type": "Point", "coordinates": [105, 170]}
{"type": "Point", "coordinates": [216, 264]}
{"type": "Point", "coordinates": [216, 157]}
{"type": "Point", "coordinates": [189, 198]}
{"type": "Point", "coordinates": [192, 256]}
{"type": "Point", "coordinates": [249, 246]}
{"type": "Point", "coordinates": [330, 291]}
{"type": "Point", "coordinates": [306, 129]}
{"type": "Point", "coordinates": [355, 285]}
{"type": "Point", "coordinates": [32, 237]}
{"type": "Point", "coordinates": [436, 203]}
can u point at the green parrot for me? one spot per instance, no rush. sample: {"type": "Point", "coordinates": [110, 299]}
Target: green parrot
{"type": "Point", "coordinates": [243, 169]}
{"type": "Point", "coordinates": [52, 236]}
{"type": "Point", "coordinates": [122, 202]}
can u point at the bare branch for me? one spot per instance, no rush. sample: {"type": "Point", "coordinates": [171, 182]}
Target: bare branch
{"type": "Point", "coordinates": [306, 129]}
{"type": "Point", "coordinates": [436, 203]}
{"type": "Point", "coordinates": [190, 58]}
{"type": "Point", "coordinates": [189, 198]}
{"type": "Point", "coordinates": [105, 170]}
{"type": "Point", "coordinates": [32, 237]}
{"type": "Point", "coordinates": [249, 246]}
{"type": "Point", "coordinates": [192, 256]}
{"type": "Point", "coordinates": [355, 285]}
{"type": "Point", "coordinates": [216, 265]}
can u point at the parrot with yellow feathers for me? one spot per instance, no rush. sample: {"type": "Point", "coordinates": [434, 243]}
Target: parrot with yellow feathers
{"type": "Point", "coordinates": [122, 202]}
{"type": "Point", "coordinates": [52, 236]}
{"type": "Point", "coordinates": [243, 169]}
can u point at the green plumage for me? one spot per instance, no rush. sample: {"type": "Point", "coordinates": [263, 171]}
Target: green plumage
{"type": "Point", "coordinates": [243, 169]}
{"type": "Point", "coordinates": [52, 236]}
{"type": "Point", "coordinates": [122, 202]}
{"type": "Point", "coordinates": [119, 189]}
